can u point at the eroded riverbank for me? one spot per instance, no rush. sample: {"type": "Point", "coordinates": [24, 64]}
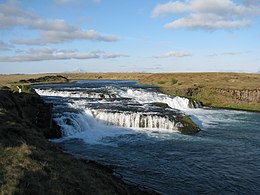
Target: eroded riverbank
{"type": "Point", "coordinates": [30, 164]}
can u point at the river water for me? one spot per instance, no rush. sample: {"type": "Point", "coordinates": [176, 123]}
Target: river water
{"type": "Point", "coordinates": [117, 124]}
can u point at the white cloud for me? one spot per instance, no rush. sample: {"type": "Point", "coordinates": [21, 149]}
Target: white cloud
{"type": "Point", "coordinates": [230, 53]}
{"type": "Point", "coordinates": [47, 53]}
{"type": "Point", "coordinates": [51, 31]}
{"type": "Point", "coordinates": [4, 46]}
{"type": "Point", "coordinates": [213, 14]}
{"type": "Point", "coordinates": [206, 21]}
{"type": "Point", "coordinates": [12, 16]}
{"type": "Point", "coordinates": [109, 56]}
{"type": "Point", "coordinates": [169, 8]}
{"type": "Point", "coordinates": [174, 54]}
{"type": "Point", "coordinates": [59, 37]}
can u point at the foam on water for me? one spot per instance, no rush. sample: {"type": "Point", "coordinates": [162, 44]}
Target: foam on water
{"type": "Point", "coordinates": [84, 126]}
{"type": "Point", "coordinates": [143, 96]}
{"type": "Point", "coordinates": [73, 94]}
{"type": "Point", "coordinates": [135, 120]}
{"type": "Point", "coordinates": [86, 122]}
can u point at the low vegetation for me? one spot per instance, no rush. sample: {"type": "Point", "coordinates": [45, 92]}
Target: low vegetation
{"type": "Point", "coordinates": [30, 164]}
{"type": "Point", "coordinates": [222, 90]}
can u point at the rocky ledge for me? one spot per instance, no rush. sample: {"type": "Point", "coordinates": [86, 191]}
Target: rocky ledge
{"type": "Point", "coordinates": [30, 164]}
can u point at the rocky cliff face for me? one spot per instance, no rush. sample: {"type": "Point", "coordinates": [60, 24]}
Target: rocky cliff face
{"type": "Point", "coordinates": [241, 94]}
{"type": "Point", "coordinates": [30, 109]}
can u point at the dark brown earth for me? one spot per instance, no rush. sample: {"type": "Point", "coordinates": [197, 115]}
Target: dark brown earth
{"type": "Point", "coordinates": [30, 164]}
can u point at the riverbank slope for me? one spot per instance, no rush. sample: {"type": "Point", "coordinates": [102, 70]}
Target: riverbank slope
{"type": "Point", "coordinates": [30, 164]}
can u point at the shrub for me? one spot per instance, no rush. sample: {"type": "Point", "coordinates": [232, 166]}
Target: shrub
{"type": "Point", "coordinates": [174, 81]}
{"type": "Point", "coordinates": [161, 82]}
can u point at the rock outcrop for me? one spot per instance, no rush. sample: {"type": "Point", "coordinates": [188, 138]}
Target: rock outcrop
{"type": "Point", "coordinates": [241, 94]}
{"type": "Point", "coordinates": [30, 164]}
{"type": "Point", "coordinates": [30, 109]}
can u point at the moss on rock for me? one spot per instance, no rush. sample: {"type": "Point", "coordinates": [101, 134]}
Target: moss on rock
{"type": "Point", "coordinates": [187, 126]}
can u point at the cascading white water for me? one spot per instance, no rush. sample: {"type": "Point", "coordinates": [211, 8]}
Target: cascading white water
{"type": "Point", "coordinates": [88, 118]}
{"type": "Point", "coordinates": [143, 96]}
{"type": "Point", "coordinates": [72, 94]}
{"type": "Point", "coordinates": [72, 123]}
{"type": "Point", "coordinates": [134, 120]}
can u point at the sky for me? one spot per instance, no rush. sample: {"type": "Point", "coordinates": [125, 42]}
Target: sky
{"type": "Point", "coordinates": [129, 36]}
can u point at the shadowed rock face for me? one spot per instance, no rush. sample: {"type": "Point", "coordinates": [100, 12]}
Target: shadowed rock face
{"type": "Point", "coordinates": [30, 164]}
{"type": "Point", "coordinates": [31, 110]}
{"type": "Point", "coordinates": [241, 94]}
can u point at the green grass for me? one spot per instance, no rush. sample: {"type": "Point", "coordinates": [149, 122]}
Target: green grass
{"type": "Point", "coordinates": [204, 87]}
{"type": "Point", "coordinates": [174, 81]}
{"type": "Point", "coordinates": [25, 88]}
{"type": "Point", "coordinates": [189, 127]}
{"type": "Point", "coordinates": [161, 82]}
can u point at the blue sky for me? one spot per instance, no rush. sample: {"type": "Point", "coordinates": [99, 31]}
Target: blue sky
{"type": "Point", "coordinates": [129, 36]}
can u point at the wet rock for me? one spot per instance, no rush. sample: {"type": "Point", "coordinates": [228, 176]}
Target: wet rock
{"type": "Point", "coordinates": [187, 126]}
{"type": "Point", "coordinates": [161, 104]}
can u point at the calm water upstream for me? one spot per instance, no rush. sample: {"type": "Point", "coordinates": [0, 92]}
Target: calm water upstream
{"type": "Point", "coordinates": [101, 120]}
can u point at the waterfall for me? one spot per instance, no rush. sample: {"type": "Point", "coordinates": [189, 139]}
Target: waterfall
{"type": "Point", "coordinates": [143, 96]}
{"type": "Point", "coordinates": [72, 123]}
{"type": "Point", "coordinates": [74, 94]}
{"type": "Point", "coordinates": [81, 110]}
{"type": "Point", "coordinates": [135, 120]}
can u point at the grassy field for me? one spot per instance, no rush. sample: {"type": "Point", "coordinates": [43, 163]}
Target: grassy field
{"type": "Point", "coordinates": [223, 90]}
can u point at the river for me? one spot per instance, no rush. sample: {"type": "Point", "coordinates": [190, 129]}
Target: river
{"type": "Point", "coordinates": [116, 123]}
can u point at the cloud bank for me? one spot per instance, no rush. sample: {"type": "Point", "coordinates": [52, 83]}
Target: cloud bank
{"type": "Point", "coordinates": [47, 53]}
{"type": "Point", "coordinates": [4, 46]}
{"type": "Point", "coordinates": [208, 15]}
{"type": "Point", "coordinates": [51, 31]}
